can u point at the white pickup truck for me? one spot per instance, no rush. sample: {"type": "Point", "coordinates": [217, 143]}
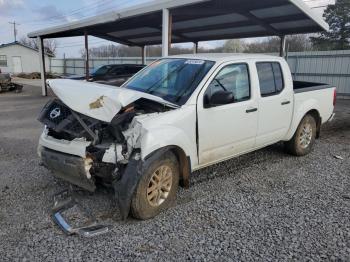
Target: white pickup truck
{"type": "Point", "coordinates": [179, 114]}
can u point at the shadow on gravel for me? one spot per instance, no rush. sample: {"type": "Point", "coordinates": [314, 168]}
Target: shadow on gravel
{"type": "Point", "coordinates": [236, 165]}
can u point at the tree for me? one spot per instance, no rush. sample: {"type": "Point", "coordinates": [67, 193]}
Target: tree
{"type": "Point", "coordinates": [233, 46]}
{"type": "Point", "coordinates": [116, 50]}
{"type": "Point", "coordinates": [295, 43]}
{"type": "Point", "coordinates": [338, 36]}
{"type": "Point", "coordinates": [50, 45]}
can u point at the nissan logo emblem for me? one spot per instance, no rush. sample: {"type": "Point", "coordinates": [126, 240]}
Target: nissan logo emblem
{"type": "Point", "coordinates": [56, 112]}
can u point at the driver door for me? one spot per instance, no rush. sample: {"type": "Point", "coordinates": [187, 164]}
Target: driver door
{"type": "Point", "coordinates": [229, 129]}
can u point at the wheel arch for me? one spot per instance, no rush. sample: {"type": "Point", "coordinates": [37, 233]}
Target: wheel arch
{"type": "Point", "coordinates": [316, 115]}
{"type": "Point", "coordinates": [307, 108]}
{"type": "Point", "coordinates": [182, 158]}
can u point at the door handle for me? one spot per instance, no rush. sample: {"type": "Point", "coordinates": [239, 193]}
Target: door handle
{"type": "Point", "coordinates": [251, 110]}
{"type": "Point", "coordinates": [285, 103]}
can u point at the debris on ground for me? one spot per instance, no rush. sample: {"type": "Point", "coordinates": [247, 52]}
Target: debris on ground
{"type": "Point", "coordinates": [5, 188]}
{"type": "Point", "coordinates": [80, 221]}
{"type": "Point", "coordinates": [338, 157]}
{"type": "Point", "coordinates": [37, 75]}
{"type": "Point", "coordinates": [346, 197]}
{"type": "Point", "coordinates": [6, 84]}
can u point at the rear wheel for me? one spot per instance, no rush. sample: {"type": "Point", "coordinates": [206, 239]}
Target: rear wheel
{"type": "Point", "coordinates": [304, 138]}
{"type": "Point", "coordinates": [157, 187]}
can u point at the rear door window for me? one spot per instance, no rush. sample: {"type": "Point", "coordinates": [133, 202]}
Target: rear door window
{"type": "Point", "coordinates": [270, 78]}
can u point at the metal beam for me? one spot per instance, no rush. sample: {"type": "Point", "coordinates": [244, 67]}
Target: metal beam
{"type": "Point", "coordinates": [115, 39]}
{"type": "Point", "coordinates": [166, 32]}
{"type": "Point", "coordinates": [87, 76]}
{"type": "Point", "coordinates": [179, 35]}
{"type": "Point", "coordinates": [283, 46]}
{"type": "Point", "coordinates": [260, 22]}
{"type": "Point", "coordinates": [236, 24]}
{"type": "Point", "coordinates": [40, 43]}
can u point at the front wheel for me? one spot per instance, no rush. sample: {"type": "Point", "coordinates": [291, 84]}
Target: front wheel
{"type": "Point", "coordinates": [157, 187]}
{"type": "Point", "coordinates": [303, 140]}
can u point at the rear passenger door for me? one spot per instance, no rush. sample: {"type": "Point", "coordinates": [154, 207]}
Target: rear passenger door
{"type": "Point", "coordinates": [275, 103]}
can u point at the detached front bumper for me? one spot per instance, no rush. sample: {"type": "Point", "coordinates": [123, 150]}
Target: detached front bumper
{"type": "Point", "coordinates": [68, 167]}
{"type": "Point", "coordinates": [67, 160]}
{"type": "Point", "coordinates": [70, 161]}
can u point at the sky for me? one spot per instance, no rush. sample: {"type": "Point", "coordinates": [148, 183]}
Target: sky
{"type": "Point", "coordinates": [31, 15]}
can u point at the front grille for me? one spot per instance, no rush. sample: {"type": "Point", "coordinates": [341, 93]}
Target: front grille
{"type": "Point", "coordinates": [57, 112]}
{"type": "Point", "coordinates": [62, 123]}
{"type": "Point", "coordinates": [55, 115]}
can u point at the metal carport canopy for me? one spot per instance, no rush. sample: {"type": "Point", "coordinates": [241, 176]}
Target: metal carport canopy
{"type": "Point", "coordinates": [194, 21]}
{"type": "Point", "coordinates": [179, 21]}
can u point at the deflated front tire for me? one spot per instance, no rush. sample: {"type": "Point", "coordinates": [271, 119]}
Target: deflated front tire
{"type": "Point", "coordinates": [157, 187]}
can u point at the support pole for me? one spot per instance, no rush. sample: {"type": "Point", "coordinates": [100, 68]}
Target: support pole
{"type": "Point", "coordinates": [283, 46]}
{"type": "Point", "coordinates": [170, 32]}
{"type": "Point", "coordinates": [166, 32]}
{"type": "Point", "coordinates": [64, 64]}
{"type": "Point", "coordinates": [195, 47]}
{"type": "Point", "coordinates": [143, 51]}
{"type": "Point", "coordinates": [86, 56]}
{"type": "Point", "coordinates": [40, 43]}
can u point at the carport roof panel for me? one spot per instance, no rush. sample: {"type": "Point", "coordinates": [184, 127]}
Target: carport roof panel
{"type": "Point", "coordinates": [195, 20]}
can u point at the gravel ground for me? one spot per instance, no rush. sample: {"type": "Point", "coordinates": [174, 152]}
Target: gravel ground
{"type": "Point", "coordinates": [262, 206]}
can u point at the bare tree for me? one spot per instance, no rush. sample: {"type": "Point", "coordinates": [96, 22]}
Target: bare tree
{"type": "Point", "coordinates": [50, 45]}
{"type": "Point", "coordinates": [295, 43]}
{"type": "Point", "coordinates": [233, 46]}
{"type": "Point", "coordinates": [130, 51]}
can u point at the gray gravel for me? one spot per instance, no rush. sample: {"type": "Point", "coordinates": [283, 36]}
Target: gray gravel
{"type": "Point", "coordinates": [262, 206]}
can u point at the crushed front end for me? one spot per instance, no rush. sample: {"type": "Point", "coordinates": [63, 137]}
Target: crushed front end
{"type": "Point", "coordinates": [73, 145]}
{"type": "Point", "coordinates": [85, 151]}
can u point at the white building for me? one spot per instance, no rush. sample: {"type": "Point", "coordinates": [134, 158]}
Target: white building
{"type": "Point", "coordinates": [18, 58]}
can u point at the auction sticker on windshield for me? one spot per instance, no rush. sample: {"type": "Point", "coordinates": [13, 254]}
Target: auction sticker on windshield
{"type": "Point", "coordinates": [195, 62]}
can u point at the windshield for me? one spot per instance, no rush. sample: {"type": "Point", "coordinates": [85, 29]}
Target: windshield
{"type": "Point", "coordinates": [173, 80]}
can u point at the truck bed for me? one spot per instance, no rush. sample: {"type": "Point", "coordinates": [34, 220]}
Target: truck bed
{"type": "Point", "coordinates": [320, 96]}
{"type": "Point", "coordinates": [303, 86]}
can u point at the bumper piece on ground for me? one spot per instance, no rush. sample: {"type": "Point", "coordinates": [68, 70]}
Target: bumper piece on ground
{"type": "Point", "coordinates": [63, 201]}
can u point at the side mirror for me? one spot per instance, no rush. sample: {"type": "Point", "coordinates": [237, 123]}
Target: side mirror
{"type": "Point", "coordinates": [218, 98]}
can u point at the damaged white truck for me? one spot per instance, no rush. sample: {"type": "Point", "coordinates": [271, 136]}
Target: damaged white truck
{"type": "Point", "coordinates": [179, 114]}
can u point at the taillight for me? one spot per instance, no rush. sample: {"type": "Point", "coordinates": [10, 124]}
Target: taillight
{"type": "Point", "coordinates": [334, 96]}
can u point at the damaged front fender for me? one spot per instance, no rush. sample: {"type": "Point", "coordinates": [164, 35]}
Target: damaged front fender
{"type": "Point", "coordinates": [125, 187]}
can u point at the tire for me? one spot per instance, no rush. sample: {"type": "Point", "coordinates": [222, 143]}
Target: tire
{"type": "Point", "coordinates": [304, 137]}
{"type": "Point", "coordinates": [157, 188]}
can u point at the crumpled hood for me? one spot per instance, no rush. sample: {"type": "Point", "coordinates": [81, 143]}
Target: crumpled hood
{"type": "Point", "coordinates": [98, 101]}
